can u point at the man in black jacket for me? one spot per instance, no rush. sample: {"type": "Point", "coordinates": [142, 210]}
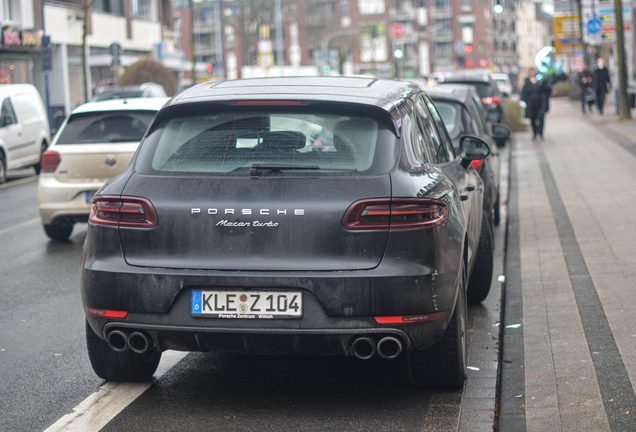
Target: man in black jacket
{"type": "Point", "coordinates": [601, 84]}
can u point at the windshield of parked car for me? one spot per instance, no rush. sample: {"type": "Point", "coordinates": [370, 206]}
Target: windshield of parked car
{"type": "Point", "coordinates": [105, 127]}
{"type": "Point", "coordinates": [450, 115]}
{"type": "Point", "coordinates": [229, 143]}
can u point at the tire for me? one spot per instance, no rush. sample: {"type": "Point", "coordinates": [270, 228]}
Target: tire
{"type": "Point", "coordinates": [38, 166]}
{"type": "Point", "coordinates": [58, 232]}
{"type": "Point", "coordinates": [3, 169]}
{"type": "Point", "coordinates": [481, 278]}
{"type": "Point", "coordinates": [125, 366]}
{"type": "Point", "coordinates": [443, 365]}
{"type": "Point", "coordinates": [497, 210]}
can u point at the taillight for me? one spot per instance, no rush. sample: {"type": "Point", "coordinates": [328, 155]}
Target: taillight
{"type": "Point", "coordinates": [106, 313]}
{"type": "Point", "coordinates": [410, 318]}
{"type": "Point", "coordinates": [378, 214]}
{"type": "Point", "coordinates": [269, 102]}
{"type": "Point", "coordinates": [477, 164]}
{"type": "Point", "coordinates": [129, 212]}
{"type": "Point", "coordinates": [495, 100]}
{"type": "Point", "coordinates": [50, 161]}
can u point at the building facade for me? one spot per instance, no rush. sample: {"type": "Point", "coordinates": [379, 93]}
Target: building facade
{"type": "Point", "coordinates": [20, 41]}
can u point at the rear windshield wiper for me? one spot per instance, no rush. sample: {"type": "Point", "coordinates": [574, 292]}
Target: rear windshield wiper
{"type": "Point", "coordinates": [256, 168]}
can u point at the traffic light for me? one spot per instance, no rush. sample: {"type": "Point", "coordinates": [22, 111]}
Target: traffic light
{"type": "Point", "coordinates": [468, 48]}
{"type": "Point", "coordinates": [498, 7]}
{"type": "Point", "coordinates": [398, 50]}
{"type": "Point", "coordinates": [210, 68]}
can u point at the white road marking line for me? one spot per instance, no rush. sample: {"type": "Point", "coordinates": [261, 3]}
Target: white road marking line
{"type": "Point", "coordinates": [101, 407]}
{"type": "Point", "coordinates": [29, 222]}
{"type": "Point", "coordinates": [8, 184]}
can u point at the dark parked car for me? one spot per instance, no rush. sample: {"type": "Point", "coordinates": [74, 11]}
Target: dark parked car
{"type": "Point", "coordinates": [462, 112]}
{"type": "Point", "coordinates": [230, 231]}
{"type": "Point", "coordinates": [491, 97]}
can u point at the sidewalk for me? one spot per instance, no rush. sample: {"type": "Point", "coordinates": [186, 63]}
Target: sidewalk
{"type": "Point", "coordinates": [570, 279]}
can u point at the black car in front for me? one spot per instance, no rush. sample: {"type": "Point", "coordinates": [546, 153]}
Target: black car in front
{"type": "Point", "coordinates": [233, 231]}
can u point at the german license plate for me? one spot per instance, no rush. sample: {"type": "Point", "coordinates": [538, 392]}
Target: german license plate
{"type": "Point", "coordinates": [247, 304]}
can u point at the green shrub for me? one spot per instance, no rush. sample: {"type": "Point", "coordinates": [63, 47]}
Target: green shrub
{"type": "Point", "coordinates": [562, 89]}
{"type": "Point", "coordinates": [149, 70]}
{"type": "Point", "coordinates": [515, 116]}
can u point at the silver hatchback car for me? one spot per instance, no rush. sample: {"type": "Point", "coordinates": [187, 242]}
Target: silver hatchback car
{"type": "Point", "coordinates": [94, 144]}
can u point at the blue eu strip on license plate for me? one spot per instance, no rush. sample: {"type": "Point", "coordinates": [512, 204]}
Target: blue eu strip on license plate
{"type": "Point", "coordinates": [89, 196]}
{"type": "Point", "coordinates": [196, 302]}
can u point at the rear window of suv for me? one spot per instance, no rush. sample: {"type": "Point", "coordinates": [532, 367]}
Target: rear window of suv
{"type": "Point", "coordinates": [106, 127]}
{"type": "Point", "coordinates": [296, 143]}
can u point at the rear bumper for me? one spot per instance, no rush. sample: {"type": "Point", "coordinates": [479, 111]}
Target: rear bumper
{"type": "Point", "coordinates": [338, 307]}
{"type": "Point", "coordinates": [69, 202]}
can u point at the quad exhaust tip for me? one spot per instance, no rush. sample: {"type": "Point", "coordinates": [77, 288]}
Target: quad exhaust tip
{"type": "Point", "coordinates": [389, 347]}
{"type": "Point", "coordinates": [120, 340]}
{"type": "Point", "coordinates": [364, 348]}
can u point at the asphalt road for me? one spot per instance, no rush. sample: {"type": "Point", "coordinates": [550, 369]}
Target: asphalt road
{"type": "Point", "coordinates": [45, 372]}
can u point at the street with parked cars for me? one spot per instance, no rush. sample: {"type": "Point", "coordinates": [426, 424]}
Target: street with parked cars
{"type": "Point", "coordinates": [316, 253]}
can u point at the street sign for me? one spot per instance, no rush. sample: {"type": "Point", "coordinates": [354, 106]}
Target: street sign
{"type": "Point", "coordinates": [397, 31]}
{"type": "Point", "coordinates": [115, 49]}
{"type": "Point", "coordinates": [594, 26]}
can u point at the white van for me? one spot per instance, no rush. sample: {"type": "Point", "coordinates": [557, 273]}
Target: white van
{"type": "Point", "coordinates": [24, 128]}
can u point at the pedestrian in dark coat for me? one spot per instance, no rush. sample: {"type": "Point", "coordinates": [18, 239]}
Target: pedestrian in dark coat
{"type": "Point", "coordinates": [536, 95]}
{"type": "Point", "coordinates": [585, 88]}
{"type": "Point", "coordinates": [601, 84]}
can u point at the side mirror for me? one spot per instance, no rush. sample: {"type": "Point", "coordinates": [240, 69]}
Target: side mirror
{"type": "Point", "coordinates": [472, 148]}
{"type": "Point", "coordinates": [500, 131]}
{"type": "Point", "coordinates": [6, 120]}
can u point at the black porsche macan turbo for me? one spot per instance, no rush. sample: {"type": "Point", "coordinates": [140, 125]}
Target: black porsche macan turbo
{"type": "Point", "coordinates": [288, 216]}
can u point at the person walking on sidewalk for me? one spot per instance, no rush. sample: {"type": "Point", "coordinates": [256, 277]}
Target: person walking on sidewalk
{"type": "Point", "coordinates": [536, 96]}
{"type": "Point", "coordinates": [601, 84]}
{"type": "Point", "coordinates": [585, 88]}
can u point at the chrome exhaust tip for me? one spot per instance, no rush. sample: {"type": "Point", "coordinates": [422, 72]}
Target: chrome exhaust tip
{"type": "Point", "coordinates": [364, 348]}
{"type": "Point", "coordinates": [117, 340]}
{"type": "Point", "coordinates": [139, 342]}
{"type": "Point", "coordinates": [389, 347]}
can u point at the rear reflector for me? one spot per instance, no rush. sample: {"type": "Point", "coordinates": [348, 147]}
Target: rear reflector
{"type": "Point", "coordinates": [269, 102]}
{"type": "Point", "coordinates": [128, 212]}
{"type": "Point", "coordinates": [477, 164]}
{"type": "Point", "coordinates": [50, 161]}
{"type": "Point", "coordinates": [106, 313]}
{"type": "Point", "coordinates": [410, 318]}
{"type": "Point", "coordinates": [495, 100]}
{"type": "Point", "coordinates": [377, 214]}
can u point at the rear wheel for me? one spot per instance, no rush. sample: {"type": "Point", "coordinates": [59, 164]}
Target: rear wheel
{"type": "Point", "coordinates": [3, 169]}
{"type": "Point", "coordinates": [481, 278]}
{"type": "Point", "coordinates": [444, 364]}
{"type": "Point", "coordinates": [38, 166]}
{"type": "Point", "coordinates": [124, 366]}
{"type": "Point", "coordinates": [59, 232]}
